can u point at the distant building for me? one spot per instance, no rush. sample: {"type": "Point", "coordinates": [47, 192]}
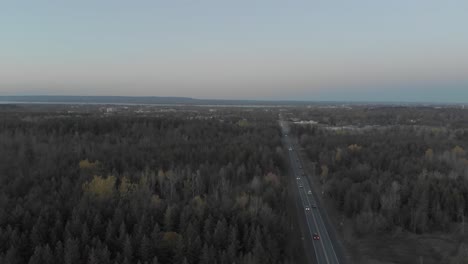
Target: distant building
{"type": "Point", "coordinates": [302, 122]}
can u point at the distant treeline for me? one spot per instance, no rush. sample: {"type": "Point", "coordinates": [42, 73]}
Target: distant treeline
{"type": "Point", "coordinates": [141, 100]}
{"type": "Point", "coordinates": [381, 115]}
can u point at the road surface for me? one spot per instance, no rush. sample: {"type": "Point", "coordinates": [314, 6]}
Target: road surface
{"type": "Point", "coordinates": [323, 247]}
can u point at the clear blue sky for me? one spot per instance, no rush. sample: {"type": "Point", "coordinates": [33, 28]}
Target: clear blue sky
{"type": "Point", "coordinates": [399, 50]}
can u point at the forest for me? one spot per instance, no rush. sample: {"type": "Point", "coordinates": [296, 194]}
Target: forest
{"type": "Point", "coordinates": [169, 188]}
{"type": "Point", "coordinates": [191, 185]}
{"type": "Point", "coordinates": [392, 170]}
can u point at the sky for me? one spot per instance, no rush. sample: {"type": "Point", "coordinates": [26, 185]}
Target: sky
{"type": "Point", "coordinates": [360, 50]}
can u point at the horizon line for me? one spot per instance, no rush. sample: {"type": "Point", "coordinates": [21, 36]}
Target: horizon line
{"type": "Point", "coordinates": [231, 100]}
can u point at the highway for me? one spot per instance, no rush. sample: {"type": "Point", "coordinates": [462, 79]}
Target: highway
{"type": "Point", "coordinates": [322, 244]}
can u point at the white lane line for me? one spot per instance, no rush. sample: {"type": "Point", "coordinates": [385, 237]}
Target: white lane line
{"type": "Point", "coordinates": [327, 236]}
{"type": "Point", "coordinates": [324, 252]}
{"type": "Point", "coordinates": [318, 228]}
{"type": "Point", "coordinates": [302, 199]}
{"type": "Point", "coordinates": [313, 217]}
{"type": "Point", "coordinates": [311, 227]}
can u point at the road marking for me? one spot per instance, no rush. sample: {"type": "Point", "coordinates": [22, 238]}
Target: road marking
{"type": "Point", "coordinates": [325, 252]}
{"type": "Point", "coordinates": [308, 224]}
{"type": "Point", "coordinates": [321, 220]}
{"type": "Point", "coordinates": [329, 240]}
{"type": "Point", "coordinates": [303, 192]}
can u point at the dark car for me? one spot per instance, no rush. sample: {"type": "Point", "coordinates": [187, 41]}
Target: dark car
{"type": "Point", "coordinates": [316, 236]}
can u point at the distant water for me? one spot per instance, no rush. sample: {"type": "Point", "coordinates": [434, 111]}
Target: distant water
{"type": "Point", "coordinates": [67, 103]}
{"type": "Point", "coordinates": [137, 104]}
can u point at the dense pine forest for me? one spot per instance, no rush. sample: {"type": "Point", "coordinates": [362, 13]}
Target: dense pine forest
{"type": "Point", "coordinates": [104, 184]}
{"type": "Point", "coordinates": [171, 188]}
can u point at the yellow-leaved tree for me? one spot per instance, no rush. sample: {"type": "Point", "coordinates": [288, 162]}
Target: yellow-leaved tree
{"type": "Point", "coordinates": [101, 187]}
{"type": "Point", "coordinates": [429, 154]}
{"type": "Point", "coordinates": [126, 186]}
{"type": "Point", "coordinates": [88, 165]}
{"type": "Point", "coordinates": [324, 174]}
{"type": "Point", "coordinates": [458, 151]}
{"type": "Point", "coordinates": [354, 147]}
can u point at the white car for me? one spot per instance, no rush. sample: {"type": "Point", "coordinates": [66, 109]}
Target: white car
{"type": "Point", "coordinates": [298, 178]}
{"type": "Point", "coordinates": [309, 192]}
{"type": "Point", "coordinates": [307, 208]}
{"type": "Point", "coordinates": [300, 186]}
{"type": "Point", "coordinates": [290, 149]}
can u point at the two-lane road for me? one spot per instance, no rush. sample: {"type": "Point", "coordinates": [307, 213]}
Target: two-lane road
{"type": "Point", "coordinates": [322, 244]}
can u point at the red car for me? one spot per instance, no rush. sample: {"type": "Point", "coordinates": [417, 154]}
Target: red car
{"type": "Point", "coordinates": [316, 236]}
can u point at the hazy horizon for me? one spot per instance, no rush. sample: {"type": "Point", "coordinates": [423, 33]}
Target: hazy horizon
{"type": "Point", "coordinates": [257, 50]}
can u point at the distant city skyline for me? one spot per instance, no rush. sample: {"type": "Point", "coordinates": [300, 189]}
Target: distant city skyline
{"type": "Point", "coordinates": [408, 51]}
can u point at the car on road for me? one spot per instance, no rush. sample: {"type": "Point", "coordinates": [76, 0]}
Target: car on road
{"type": "Point", "coordinates": [298, 178]}
{"type": "Point", "coordinates": [300, 166]}
{"type": "Point", "coordinates": [315, 236]}
{"type": "Point", "coordinates": [300, 186]}
{"type": "Point", "coordinates": [307, 208]}
{"type": "Point", "coordinates": [314, 206]}
{"type": "Point", "coordinates": [309, 192]}
{"type": "Point", "coordinates": [303, 173]}
{"type": "Point", "coordinates": [290, 149]}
